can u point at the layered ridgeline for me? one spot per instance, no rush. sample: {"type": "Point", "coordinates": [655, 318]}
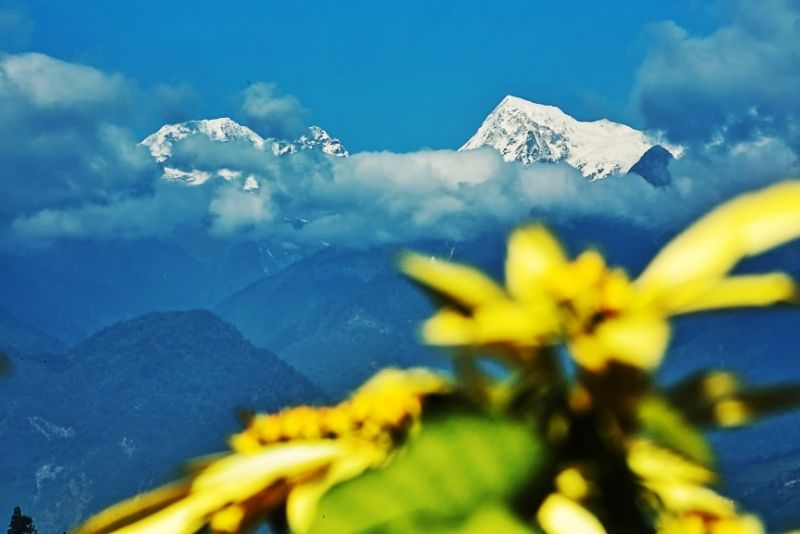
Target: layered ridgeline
{"type": "Point", "coordinates": [339, 315]}
{"type": "Point", "coordinates": [117, 413]}
{"type": "Point", "coordinates": [533, 133]}
{"type": "Point", "coordinates": [333, 314]}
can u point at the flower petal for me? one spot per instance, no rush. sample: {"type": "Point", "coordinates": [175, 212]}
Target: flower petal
{"type": "Point", "coordinates": [503, 322]}
{"type": "Point", "coordinates": [301, 506]}
{"type": "Point", "coordinates": [186, 516]}
{"type": "Point", "coordinates": [449, 327]}
{"type": "Point", "coordinates": [459, 283]}
{"type": "Point", "coordinates": [521, 324]}
{"type": "Point", "coordinates": [638, 340]}
{"type": "Point", "coordinates": [232, 479]}
{"type": "Point", "coordinates": [658, 464]}
{"type": "Point", "coordinates": [697, 523]}
{"type": "Point", "coordinates": [129, 511]}
{"type": "Point", "coordinates": [533, 253]}
{"type": "Point", "coordinates": [560, 515]}
{"type": "Point", "coordinates": [707, 250]}
{"type": "Point", "coordinates": [240, 476]}
{"type": "Point", "coordinates": [689, 497]}
{"type": "Point", "coordinates": [743, 291]}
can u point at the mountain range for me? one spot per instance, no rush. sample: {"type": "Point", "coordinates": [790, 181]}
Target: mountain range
{"type": "Point", "coordinates": [130, 355]}
{"type": "Point", "coordinates": [518, 129]}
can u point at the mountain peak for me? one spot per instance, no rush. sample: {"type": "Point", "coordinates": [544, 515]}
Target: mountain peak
{"type": "Point", "coordinates": [224, 130]}
{"type": "Point", "coordinates": [528, 132]}
{"type": "Point", "coordinates": [533, 108]}
{"type": "Point", "coordinates": [322, 140]}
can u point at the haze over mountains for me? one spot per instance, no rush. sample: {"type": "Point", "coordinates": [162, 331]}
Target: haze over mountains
{"type": "Point", "coordinates": [117, 412]}
{"type": "Point", "coordinates": [293, 317]}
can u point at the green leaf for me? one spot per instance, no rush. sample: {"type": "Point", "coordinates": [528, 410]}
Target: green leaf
{"type": "Point", "coordinates": [493, 517]}
{"type": "Point", "coordinates": [458, 462]}
{"type": "Point", "coordinates": [488, 518]}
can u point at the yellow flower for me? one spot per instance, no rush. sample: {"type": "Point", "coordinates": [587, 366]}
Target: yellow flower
{"type": "Point", "coordinates": [233, 479]}
{"type": "Point", "coordinates": [616, 330]}
{"type": "Point", "coordinates": [572, 483]}
{"type": "Point", "coordinates": [697, 523]}
{"type": "Point", "coordinates": [292, 457]}
{"type": "Point", "coordinates": [684, 503]}
{"type": "Point", "coordinates": [559, 514]}
{"type": "Point", "coordinates": [598, 312]}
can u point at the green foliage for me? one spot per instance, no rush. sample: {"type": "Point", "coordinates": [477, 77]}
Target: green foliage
{"type": "Point", "coordinates": [460, 474]}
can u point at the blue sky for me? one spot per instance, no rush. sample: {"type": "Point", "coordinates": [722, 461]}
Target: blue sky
{"type": "Point", "coordinates": [381, 75]}
{"type": "Point", "coordinates": [82, 82]}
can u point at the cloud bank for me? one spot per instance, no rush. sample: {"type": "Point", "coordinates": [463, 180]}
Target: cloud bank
{"type": "Point", "coordinates": [71, 169]}
{"type": "Point", "coordinates": [737, 84]}
{"type": "Point", "coordinates": [384, 197]}
{"type": "Point", "coordinates": [62, 140]}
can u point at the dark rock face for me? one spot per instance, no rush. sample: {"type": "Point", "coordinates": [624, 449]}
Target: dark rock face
{"type": "Point", "coordinates": [653, 166]}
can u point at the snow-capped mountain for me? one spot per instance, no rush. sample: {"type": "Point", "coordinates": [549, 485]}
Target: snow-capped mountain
{"type": "Point", "coordinates": [223, 130]}
{"type": "Point", "coordinates": [520, 130]}
{"type": "Point", "coordinates": [226, 130]}
{"type": "Point", "coordinates": [529, 133]}
{"type": "Point", "coordinates": [317, 140]}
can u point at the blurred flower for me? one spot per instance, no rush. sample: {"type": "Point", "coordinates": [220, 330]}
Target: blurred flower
{"type": "Point", "coordinates": [617, 331]}
{"type": "Point", "coordinates": [561, 515]}
{"type": "Point", "coordinates": [599, 312]}
{"type": "Point", "coordinates": [600, 450]}
{"type": "Point", "coordinates": [292, 457]}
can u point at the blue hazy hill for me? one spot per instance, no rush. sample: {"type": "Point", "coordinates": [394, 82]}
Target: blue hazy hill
{"type": "Point", "coordinates": [342, 313]}
{"type": "Point", "coordinates": [20, 340]}
{"type": "Point", "coordinates": [335, 316]}
{"type": "Point", "coordinates": [73, 288]}
{"type": "Point", "coordinates": [132, 402]}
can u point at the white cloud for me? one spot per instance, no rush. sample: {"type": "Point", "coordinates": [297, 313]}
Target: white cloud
{"type": "Point", "coordinates": [48, 82]}
{"type": "Point", "coordinates": [739, 82]}
{"type": "Point", "coordinates": [387, 197]}
{"type": "Point", "coordinates": [271, 113]}
{"type": "Point", "coordinates": [72, 172]}
{"type": "Point", "coordinates": [234, 208]}
{"type": "Point", "coordinates": [61, 142]}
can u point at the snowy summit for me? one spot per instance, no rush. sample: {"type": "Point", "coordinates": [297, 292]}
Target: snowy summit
{"type": "Point", "coordinates": [226, 130]}
{"type": "Point", "coordinates": [534, 133]}
{"type": "Point", "coordinates": [223, 130]}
